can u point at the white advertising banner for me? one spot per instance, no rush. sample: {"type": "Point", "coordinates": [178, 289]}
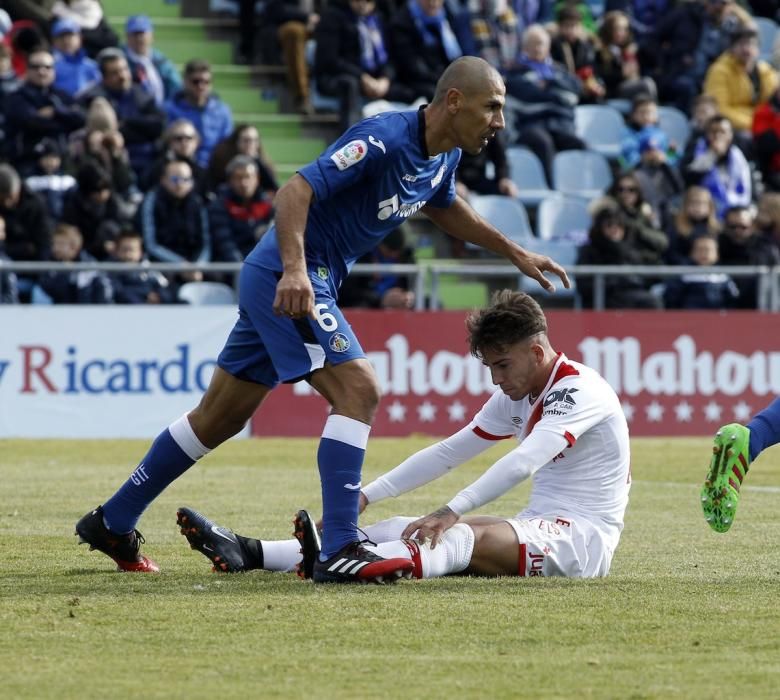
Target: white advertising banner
{"type": "Point", "coordinates": [104, 371]}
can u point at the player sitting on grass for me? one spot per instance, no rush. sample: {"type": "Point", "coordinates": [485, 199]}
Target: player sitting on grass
{"type": "Point", "coordinates": [573, 440]}
{"type": "Point", "coordinates": [736, 448]}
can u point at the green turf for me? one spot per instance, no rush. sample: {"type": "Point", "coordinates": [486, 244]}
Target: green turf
{"type": "Point", "coordinates": [167, 28]}
{"type": "Point", "coordinates": [685, 612]}
{"type": "Point", "coordinates": [292, 150]}
{"type": "Point", "coordinates": [248, 99]}
{"type": "Point", "coordinates": [182, 50]}
{"type": "Point", "coordinates": [153, 8]}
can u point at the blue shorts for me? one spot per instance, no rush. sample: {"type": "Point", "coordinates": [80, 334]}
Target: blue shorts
{"type": "Point", "coordinates": [267, 349]}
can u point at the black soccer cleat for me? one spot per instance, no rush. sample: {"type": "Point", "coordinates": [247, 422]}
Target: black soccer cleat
{"type": "Point", "coordinates": [356, 564]}
{"type": "Point", "coordinates": [306, 533]}
{"type": "Point", "coordinates": [218, 544]}
{"type": "Point", "coordinates": [123, 549]}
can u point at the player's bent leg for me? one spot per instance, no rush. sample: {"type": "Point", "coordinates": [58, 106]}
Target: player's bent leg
{"type": "Point", "coordinates": [728, 467]}
{"type": "Point", "coordinates": [496, 550]}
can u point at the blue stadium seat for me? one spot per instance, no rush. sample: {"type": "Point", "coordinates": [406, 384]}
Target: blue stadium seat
{"type": "Point", "coordinates": [506, 214]}
{"type": "Point", "coordinates": [767, 32]}
{"type": "Point", "coordinates": [559, 216]}
{"type": "Point", "coordinates": [526, 171]}
{"type": "Point", "coordinates": [675, 125]}
{"type": "Point", "coordinates": [581, 173]}
{"type": "Point", "coordinates": [206, 293]}
{"type": "Point", "coordinates": [601, 127]}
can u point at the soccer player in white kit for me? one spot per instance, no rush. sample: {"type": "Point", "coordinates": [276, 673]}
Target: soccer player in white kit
{"type": "Point", "coordinates": [573, 439]}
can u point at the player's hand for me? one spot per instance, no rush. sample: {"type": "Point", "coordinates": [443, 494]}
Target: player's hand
{"type": "Point", "coordinates": [431, 527]}
{"type": "Point", "coordinates": [534, 265]}
{"type": "Point", "coordinates": [294, 295]}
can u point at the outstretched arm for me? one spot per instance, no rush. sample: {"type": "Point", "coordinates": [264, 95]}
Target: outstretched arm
{"type": "Point", "coordinates": [461, 221]}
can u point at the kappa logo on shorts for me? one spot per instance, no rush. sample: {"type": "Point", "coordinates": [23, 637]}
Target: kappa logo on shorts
{"type": "Point", "coordinates": [322, 273]}
{"type": "Point", "coordinates": [339, 342]}
{"type": "Point", "coordinates": [350, 154]}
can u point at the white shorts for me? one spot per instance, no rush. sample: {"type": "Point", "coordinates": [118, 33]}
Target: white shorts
{"type": "Point", "coordinates": [555, 546]}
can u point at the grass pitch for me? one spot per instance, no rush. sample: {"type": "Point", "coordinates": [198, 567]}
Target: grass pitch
{"type": "Point", "coordinates": [685, 612]}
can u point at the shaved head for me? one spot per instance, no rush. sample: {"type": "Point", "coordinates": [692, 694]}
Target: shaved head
{"type": "Point", "coordinates": [467, 74]}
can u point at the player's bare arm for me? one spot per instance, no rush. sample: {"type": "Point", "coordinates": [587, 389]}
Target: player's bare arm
{"type": "Point", "coordinates": [461, 221]}
{"type": "Point", "coordinates": [294, 294]}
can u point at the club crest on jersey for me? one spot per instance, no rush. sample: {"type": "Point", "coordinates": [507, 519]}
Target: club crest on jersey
{"type": "Point", "coordinates": [339, 342]}
{"type": "Point", "coordinates": [350, 154]}
{"type": "Point", "coordinates": [322, 273]}
{"type": "Point", "coordinates": [439, 175]}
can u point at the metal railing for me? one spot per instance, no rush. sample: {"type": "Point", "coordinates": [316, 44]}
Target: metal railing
{"type": "Point", "coordinates": [424, 277]}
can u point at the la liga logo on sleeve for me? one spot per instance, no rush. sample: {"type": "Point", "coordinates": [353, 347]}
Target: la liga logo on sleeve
{"type": "Point", "coordinates": [350, 154]}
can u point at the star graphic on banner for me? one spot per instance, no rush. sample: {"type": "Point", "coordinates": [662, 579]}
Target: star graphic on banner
{"type": "Point", "coordinates": [628, 410]}
{"type": "Point", "coordinates": [683, 411]}
{"type": "Point", "coordinates": [397, 412]}
{"type": "Point", "coordinates": [426, 411]}
{"type": "Point", "coordinates": [712, 412]}
{"type": "Point", "coordinates": [655, 412]}
{"type": "Point", "coordinates": [742, 412]}
{"type": "Point", "coordinates": [457, 411]}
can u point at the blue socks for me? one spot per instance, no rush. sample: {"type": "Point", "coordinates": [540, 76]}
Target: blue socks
{"type": "Point", "coordinates": [340, 460]}
{"type": "Point", "coordinates": [172, 453]}
{"type": "Point", "coordinates": [764, 429]}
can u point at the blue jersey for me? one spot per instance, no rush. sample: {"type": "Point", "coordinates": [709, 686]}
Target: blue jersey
{"type": "Point", "coordinates": [365, 185]}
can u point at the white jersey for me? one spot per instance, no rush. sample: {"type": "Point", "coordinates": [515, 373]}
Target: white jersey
{"type": "Point", "coordinates": [591, 476]}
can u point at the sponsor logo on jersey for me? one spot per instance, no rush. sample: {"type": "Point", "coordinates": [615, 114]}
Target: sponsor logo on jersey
{"type": "Point", "coordinates": [439, 175]}
{"type": "Point", "coordinates": [339, 342]}
{"type": "Point", "coordinates": [350, 154]}
{"type": "Point", "coordinates": [561, 396]}
{"type": "Point", "coordinates": [376, 142]}
{"type": "Point", "coordinates": [322, 273]}
{"type": "Point", "coordinates": [409, 178]}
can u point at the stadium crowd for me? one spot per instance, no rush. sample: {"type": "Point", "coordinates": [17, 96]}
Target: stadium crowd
{"type": "Point", "coordinates": [109, 153]}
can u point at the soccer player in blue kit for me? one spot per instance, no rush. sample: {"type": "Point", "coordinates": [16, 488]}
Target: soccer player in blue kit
{"type": "Point", "coordinates": [334, 210]}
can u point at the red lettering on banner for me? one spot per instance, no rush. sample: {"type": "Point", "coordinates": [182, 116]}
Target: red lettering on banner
{"type": "Point", "coordinates": [34, 366]}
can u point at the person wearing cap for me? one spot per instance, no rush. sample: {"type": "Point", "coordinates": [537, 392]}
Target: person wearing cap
{"type": "Point", "coordinates": [49, 178]}
{"type": "Point", "coordinates": [740, 82]}
{"type": "Point", "coordinates": [38, 109]}
{"type": "Point", "coordinates": [150, 68]}
{"type": "Point", "coordinates": [73, 69]}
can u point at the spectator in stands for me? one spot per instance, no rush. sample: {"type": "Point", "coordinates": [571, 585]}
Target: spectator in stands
{"type": "Point", "coordinates": [642, 126]}
{"type": "Point", "coordinates": [740, 82]}
{"type": "Point", "coordinates": [24, 38]}
{"type": "Point", "coordinates": [495, 32]}
{"type": "Point", "coordinates": [174, 222]}
{"type": "Point", "coordinates": [742, 243]}
{"type": "Point", "coordinates": [609, 246]}
{"type": "Point", "coordinates": [690, 38]}
{"type": "Point", "coordinates": [9, 285]}
{"type": "Point", "coordinates": [766, 137]}
{"type": "Point", "coordinates": [695, 217]}
{"type": "Point", "coordinates": [382, 290]}
{"type": "Point", "coordinates": [140, 286]}
{"type": "Point", "coordinates": [240, 213]}
{"type": "Point", "coordinates": [423, 43]}
{"type": "Point", "coordinates": [351, 61]}
{"type": "Point", "coordinates": [475, 176]}
{"type": "Point", "coordinates": [74, 70]}
{"type": "Point", "coordinates": [710, 290]}
{"type": "Point", "coordinates": [703, 108]}
{"type": "Point", "coordinates": [8, 83]}
{"type": "Point", "coordinates": [107, 149]}
{"type": "Point", "coordinates": [149, 67]}
{"type": "Point", "coordinates": [640, 219]}
{"type": "Point", "coordinates": [617, 65]}
{"type": "Point", "coordinates": [37, 110]}
{"type": "Point", "coordinates": [244, 140]}
{"type": "Point", "coordinates": [88, 14]}
{"type": "Point", "coordinates": [288, 25]}
{"type": "Point", "coordinates": [541, 97]}
{"type": "Point", "coordinates": [720, 166]}
{"type": "Point", "coordinates": [768, 215]}
{"type": "Point", "coordinates": [659, 181]}
{"type": "Point", "coordinates": [210, 116]}
{"type": "Point", "coordinates": [573, 48]}
{"type": "Point", "coordinates": [180, 142]}
{"type": "Point", "coordinates": [49, 178]}
{"type": "Point", "coordinates": [94, 208]}
{"type": "Point", "coordinates": [70, 287]}
{"type": "Point", "coordinates": [141, 122]}
{"type": "Point", "coordinates": [27, 228]}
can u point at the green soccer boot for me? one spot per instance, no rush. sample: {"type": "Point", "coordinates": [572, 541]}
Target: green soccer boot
{"type": "Point", "coordinates": [728, 467]}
